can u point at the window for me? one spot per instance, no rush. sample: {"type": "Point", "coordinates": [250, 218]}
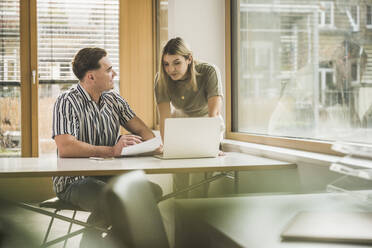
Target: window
{"type": "Point", "coordinates": [353, 16]}
{"type": "Point", "coordinates": [307, 84]}
{"type": "Point", "coordinates": [326, 14]}
{"type": "Point", "coordinates": [64, 27]}
{"type": "Point", "coordinates": [10, 101]}
{"type": "Point", "coordinates": [355, 72]}
{"type": "Point", "coordinates": [327, 88]}
{"type": "Point", "coordinates": [369, 16]}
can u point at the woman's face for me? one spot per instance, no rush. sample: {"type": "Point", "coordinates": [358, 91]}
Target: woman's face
{"type": "Point", "coordinates": [176, 66]}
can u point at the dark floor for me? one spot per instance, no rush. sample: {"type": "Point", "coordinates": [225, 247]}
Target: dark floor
{"type": "Point", "coordinates": [36, 225]}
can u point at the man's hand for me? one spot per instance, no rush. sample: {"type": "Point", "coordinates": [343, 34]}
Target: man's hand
{"type": "Point", "coordinates": [124, 141]}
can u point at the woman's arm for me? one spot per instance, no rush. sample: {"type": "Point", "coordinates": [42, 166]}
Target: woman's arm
{"type": "Point", "coordinates": [214, 106]}
{"type": "Point", "coordinates": [164, 112]}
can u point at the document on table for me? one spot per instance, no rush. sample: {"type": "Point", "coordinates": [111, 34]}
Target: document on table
{"type": "Point", "coordinates": [143, 147]}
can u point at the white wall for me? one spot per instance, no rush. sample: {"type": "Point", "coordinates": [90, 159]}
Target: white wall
{"type": "Point", "coordinates": [201, 23]}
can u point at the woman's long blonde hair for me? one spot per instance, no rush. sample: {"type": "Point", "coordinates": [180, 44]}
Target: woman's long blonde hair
{"type": "Point", "coordinates": [177, 46]}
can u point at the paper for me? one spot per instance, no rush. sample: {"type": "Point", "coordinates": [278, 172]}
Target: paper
{"type": "Point", "coordinates": [144, 147]}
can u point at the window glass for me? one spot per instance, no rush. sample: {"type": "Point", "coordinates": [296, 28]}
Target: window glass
{"type": "Point", "coordinates": [10, 100]}
{"type": "Point", "coordinates": [64, 27]}
{"type": "Point", "coordinates": [294, 78]}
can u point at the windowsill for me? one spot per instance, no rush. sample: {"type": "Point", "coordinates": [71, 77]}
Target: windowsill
{"type": "Point", "coordinates": [286, 154]}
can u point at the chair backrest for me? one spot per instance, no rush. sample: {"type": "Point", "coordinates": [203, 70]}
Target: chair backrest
{"type": "Point", "coordinates": [134, 214]}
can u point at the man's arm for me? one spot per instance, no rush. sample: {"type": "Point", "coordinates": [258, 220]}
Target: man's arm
{"type": "Point", "coordinates": [69, 147]}
{"type": "Point", "coordinates": [138, 127]}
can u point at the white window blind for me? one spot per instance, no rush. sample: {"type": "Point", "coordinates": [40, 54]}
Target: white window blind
{"type": "Point", "coordinates": [66, 26]}
{"type": "Point", "coordinates": [9, 42]}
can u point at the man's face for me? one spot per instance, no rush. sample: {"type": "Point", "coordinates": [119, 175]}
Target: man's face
{"type": "Point", "coordinates": [104, 76]}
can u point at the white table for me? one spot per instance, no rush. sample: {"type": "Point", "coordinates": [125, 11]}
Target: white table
{"type": "Point", "coordinates": [47, 167]}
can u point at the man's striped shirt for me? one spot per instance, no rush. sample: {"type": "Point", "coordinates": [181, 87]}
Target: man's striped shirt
{"type": "Point", "coordinates": [75, 113]}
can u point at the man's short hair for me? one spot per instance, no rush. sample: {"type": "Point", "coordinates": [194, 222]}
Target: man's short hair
{"type": "Point", "coordinates": [87, 59]}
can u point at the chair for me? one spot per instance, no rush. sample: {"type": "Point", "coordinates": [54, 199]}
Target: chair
{"type": "Point", "coordinates": [58, 205]}
{"type": "Point", "coordinates": [133, 212]}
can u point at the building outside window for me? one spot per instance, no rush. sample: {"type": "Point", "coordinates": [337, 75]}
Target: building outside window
{"type": "Point", "coordinates": [319, 81]}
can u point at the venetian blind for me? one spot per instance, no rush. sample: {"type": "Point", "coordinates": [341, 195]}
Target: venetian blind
{"type": "Point", "coordinates": [66, 26]}
{"type": "Point", "coordinates": [9, 42]}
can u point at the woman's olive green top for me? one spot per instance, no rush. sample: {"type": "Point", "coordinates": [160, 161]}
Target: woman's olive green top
{"type": "Point", "coordinates": [182, 96]}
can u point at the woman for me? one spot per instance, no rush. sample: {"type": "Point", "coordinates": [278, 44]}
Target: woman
{"type": "Point", "coordinates": [186, 88]}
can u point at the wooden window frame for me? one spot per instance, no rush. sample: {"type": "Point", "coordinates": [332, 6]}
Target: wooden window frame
{"type": "Point", "coordinates": [29, 89]}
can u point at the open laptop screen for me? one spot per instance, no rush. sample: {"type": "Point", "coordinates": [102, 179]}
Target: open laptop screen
{"type": "Point", "coordinates": [191, 137]}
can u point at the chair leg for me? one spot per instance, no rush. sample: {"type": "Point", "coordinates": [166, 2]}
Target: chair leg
{"type": "Point", "coordinates": [49, 227]}
{"type": "Point", "coordinates": [69, 229]}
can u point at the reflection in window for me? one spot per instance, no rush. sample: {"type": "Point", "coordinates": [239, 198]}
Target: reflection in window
{"type": "Point", "coordinates": [311, 82]}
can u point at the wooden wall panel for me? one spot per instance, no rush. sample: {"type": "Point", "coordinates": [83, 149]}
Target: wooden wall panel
{"type": "Point", "coordinates": [137, 57]}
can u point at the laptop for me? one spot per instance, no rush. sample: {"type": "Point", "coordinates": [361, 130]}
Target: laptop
{"type": "Point", "coordinates": [191, 138]}
{"type": "Point", "coordinates": [345, 227]}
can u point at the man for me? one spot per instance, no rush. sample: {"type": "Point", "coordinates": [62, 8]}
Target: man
{"type": "Point", "coordinates": [86, 123]}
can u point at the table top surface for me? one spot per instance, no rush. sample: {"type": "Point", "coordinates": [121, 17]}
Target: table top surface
{"type": "Point", "coordinates": [257, 221]}
{"type": "Point", "coordinates": [40, 167]}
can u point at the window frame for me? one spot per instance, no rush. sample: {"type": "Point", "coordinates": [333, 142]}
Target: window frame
{"type": "Point", "coordinates": [356, 23]}
{"type": "Point", "coordinates": [322, 15]}
{"type": "Point", "coordinates": [369, 25]}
